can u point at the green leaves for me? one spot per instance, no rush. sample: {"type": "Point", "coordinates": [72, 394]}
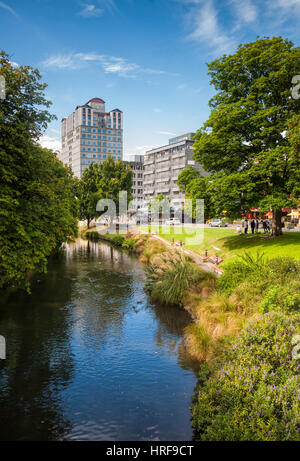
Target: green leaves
{"type": "Point", "coordinates": [250, 143]}
{"type": "Point", "coordinates": [103, 181]}
{"type": "Point", "coordinates": [38, 208]}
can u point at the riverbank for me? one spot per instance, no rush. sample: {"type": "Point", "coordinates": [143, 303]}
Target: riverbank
{"type": "Point", "coordinates": [243, 326]}
{"type": "Point", "coordinates": [226, 243]}
{"type": "Point", "coordinates": [219, 306]}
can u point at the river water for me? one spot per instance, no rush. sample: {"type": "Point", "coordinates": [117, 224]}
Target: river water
{"type": "Point", "coordinates": [82, 364]}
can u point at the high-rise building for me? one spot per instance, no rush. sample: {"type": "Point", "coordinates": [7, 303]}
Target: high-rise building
{"type": "Point", "coordinates": [163, 166]}
{"type": "Point", "coordinates": [136, 163]}
{"type": "Point", "coordinates": [90, 135]}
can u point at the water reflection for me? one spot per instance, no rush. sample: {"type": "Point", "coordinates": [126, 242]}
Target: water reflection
{"type": "Point", "coordinates": [83, 364]}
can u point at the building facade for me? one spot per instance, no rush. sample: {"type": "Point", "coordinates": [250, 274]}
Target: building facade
{"type": "Point", "coordinates": [136, 163]}
{"type": "Point", "coordinates": [163, 166]}
{"type": "Point", "coordinates": [90, 135]}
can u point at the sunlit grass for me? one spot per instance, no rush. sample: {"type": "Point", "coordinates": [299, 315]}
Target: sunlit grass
{"type": "Point", "coordinates": [227, 243]}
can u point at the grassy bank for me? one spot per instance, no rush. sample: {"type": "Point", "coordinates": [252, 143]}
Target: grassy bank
{"type": "Point", "coordinates": [245, 326]}
{"type": "Point", "coordinates": [142, 245]}
{"type": "Point", "coordinates": [226, 243]}
{"type": "Point", "coordinates": [244, 331]}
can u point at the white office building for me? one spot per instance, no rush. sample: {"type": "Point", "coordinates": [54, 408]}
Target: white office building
{"type": "Point", "coordinates": [90, 135]}
{"type": "Point", "coordinates": [163, 166]}
{"type": "Point", "coordinates": [136, 163]}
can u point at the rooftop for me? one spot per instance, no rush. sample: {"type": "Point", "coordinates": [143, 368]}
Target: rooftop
{"type": "Point", "coordinates": [96, 100]}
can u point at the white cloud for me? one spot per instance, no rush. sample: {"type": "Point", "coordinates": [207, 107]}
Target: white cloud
{"type": "Point", "coordinates": [204, 20]}
{"type": "Point", "coordinates": [8, 8]}
{"type": "Point", "coordinates": [140, 149]}
{"type": "Point", "coordinates": [50, 143]}
{"type": "Point", "coordinates": [246, 11]}
{"type": "Point", "coordinates": [167, 133]}
{"type": "Point", "coordinates": [61, 62]}
{"type": "Point", "coordinates": [286, 3]}
{"type": "Point", "coordinates": [287, 7]}
{"type": "Point", "coordinates": [91, 11]}
{"type": "Point", "coordinates": [110, 64]}
{"type": "Point", "coordinates": [157, 110]}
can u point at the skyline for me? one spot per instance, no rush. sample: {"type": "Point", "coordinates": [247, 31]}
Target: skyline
{"type": "Point", "coordinates": [147, 58]}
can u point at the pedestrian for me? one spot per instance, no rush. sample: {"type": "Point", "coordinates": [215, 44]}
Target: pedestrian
{"type": "Point", "coordinates": [257, 225]}
{"type": "Point", "coordinates": [265, 225]}
{"type": "Point", "coordinates": [253, 225]}
{"type": "Point", "coordinates": [245, 225]}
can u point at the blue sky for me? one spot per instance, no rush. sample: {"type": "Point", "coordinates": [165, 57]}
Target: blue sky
{"type": "Point", "coordinates": [145, 57]}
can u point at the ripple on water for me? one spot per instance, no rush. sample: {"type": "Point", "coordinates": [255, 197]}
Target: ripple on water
{"type": "Point", "coordinates": [83, 365]}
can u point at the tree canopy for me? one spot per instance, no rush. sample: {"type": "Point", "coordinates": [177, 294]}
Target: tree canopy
{"type": "Point", "coordinates": [248, 142]}
{"type": "Point", "coordinates": [38, 208]}
{"type": "Point", "coordinates": [103, 181]}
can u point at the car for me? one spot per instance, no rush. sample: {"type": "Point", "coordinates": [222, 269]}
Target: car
{"type": "Point", "coordinates": [217, 223]}
{"type": "Point", "coordinates": [172, 222]}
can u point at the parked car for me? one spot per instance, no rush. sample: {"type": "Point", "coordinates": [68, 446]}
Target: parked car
{"type": "Point", "coordinates": [217, 223]}
{"type": "Point", "coordinates": [172, 222]}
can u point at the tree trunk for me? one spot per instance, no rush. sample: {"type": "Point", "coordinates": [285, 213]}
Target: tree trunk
{"type": "Point", "coordinates": [276, 222]}
{"type": "Point", "coordinates": [88, 223]}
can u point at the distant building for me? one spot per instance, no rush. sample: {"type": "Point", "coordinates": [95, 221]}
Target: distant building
{"type": "Point", "coordinates": [136, 163]}
{"type": "Point", "coordinates": [90, 135]}
{"type": "Point", "coordinates": [163, 166]}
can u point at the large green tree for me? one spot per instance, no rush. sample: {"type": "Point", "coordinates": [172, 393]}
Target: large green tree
{"type": "Point", "coordinates": [247, 142]}
{"type": "Point", "coordinates": [105, 180]}
{"type": "Point", "coordinates": [37, 193]}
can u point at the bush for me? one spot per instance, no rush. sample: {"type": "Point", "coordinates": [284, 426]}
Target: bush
{"type": "Point", "coordinates": [241, 269]}
{"type": "Point", "coordinates": [151, 249]}
{"type": "Point", "coordinates": [129, 244]}
{"type": "Point", "coordinates": [282, 298]}
{"type": "Point", "coordinates": [259, 271]}
{"type": "Point", "coordinates": [254, 395]}
{"type": "Point", "coordinates": [171, 275]}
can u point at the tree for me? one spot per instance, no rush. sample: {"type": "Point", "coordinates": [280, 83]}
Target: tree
{"type": "Point", "coordinates": [186, 176]}
{"type": "Point", "coordinates": [103, 181]}
{"type": "Point", "coordinates": [38, 208]}
{"type": "Point", "coordinates": [243, 143]}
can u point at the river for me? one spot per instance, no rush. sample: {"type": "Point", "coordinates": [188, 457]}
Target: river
{"type": "Point", "coordinates": [83, 364]}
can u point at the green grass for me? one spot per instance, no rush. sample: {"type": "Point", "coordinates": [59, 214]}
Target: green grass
{"type": "Point", "coordinates": [230, 244]}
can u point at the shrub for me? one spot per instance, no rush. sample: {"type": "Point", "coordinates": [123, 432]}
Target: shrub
{"type": "Point", "coordinates": [129, 244]}
{"type": "Point", "coordinates": [219, 319]}
{"type": "Point", "coordinates": [171, 275]}
{"type": "Point", "coordinates": [282, 298]}
{"type": "Point", "coordinates": [254, 394]}
{"type": "Point", "coordinates": [152, 247]}
{"type": "Point", "coordinates": [245, 267]}
{"type": "Point", "coordinates": [198, 341]}
{"type": "Point", "coordinates": [261, 272]}
{"type": "Point", "coordinates": [117, 239]}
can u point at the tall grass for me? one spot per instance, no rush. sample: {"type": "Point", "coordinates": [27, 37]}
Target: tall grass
{"type": "Point", "coordinates": [250, 286]}
{"type": "Point", "coordinates": [171, 274]}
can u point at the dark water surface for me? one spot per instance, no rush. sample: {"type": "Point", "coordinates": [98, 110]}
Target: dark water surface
{"type": "Point", "coordinates": [83, 365]}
